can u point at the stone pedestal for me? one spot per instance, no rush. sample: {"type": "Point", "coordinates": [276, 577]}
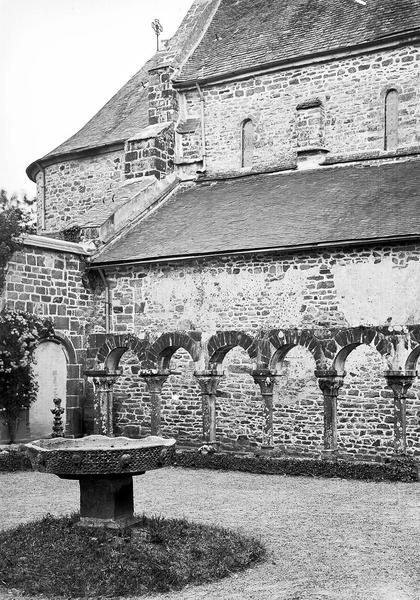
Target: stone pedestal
{"type": "Point", "coordinates": [208, 382]}
{"type": "Point", "coordinates": [330, 383]}
{"type": "Point", "coordinates": [106, 501]}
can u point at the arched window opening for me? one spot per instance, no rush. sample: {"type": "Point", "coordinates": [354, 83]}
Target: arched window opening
{"type": "Point", "coordinates": [391, 120]}
{"type": "Point", "coordinates": [50, 370]}
{"type": "Point", "coordinates": [247, 143]}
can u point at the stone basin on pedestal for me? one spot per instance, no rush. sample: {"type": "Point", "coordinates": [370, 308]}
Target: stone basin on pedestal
{"type": "Point", "coordinates": [104, 467]}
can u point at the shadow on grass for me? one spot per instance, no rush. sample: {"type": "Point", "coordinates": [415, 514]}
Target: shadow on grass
{"type": "Point", "coordinates": [53, 556]}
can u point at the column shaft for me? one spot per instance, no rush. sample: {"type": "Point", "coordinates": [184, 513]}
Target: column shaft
{"type": "Point", "coordinates": [209, 383]}
{"type": "Point", "coordinates": [154, 384]}
{"type": "Point", "coordinates": [266, 380]}
{"type": "Point", "coordinates": [400, 382]}
{"type": "Point", "coordinates": [103, 402]}
{"type": "Point", "coordinates": [330, 384]}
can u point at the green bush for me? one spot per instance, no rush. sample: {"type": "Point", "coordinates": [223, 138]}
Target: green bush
{"type": "Point", "coordinates": [14, 459]}
{"type": "Point", "coordinates": [395, 469]}
{"type": "Point", "coordinates": [20, 333]}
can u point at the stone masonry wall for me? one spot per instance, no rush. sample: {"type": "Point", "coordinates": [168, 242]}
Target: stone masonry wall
{"type": "Point", "coordinates": [370, 286]}
{"type": "Point", "coordinates": [358, 286]}
{"type": "Point", "coordinates": [50, 284]}
{"type": "Point", "coordinates": [352, 92]}
{"type": "Point", "coordinates": [152, 156]}
{"type": "Point", "coordinates": [74, 186]}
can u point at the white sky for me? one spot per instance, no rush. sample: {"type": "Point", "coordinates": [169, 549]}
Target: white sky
{"type": "Point", "coordinates": [60, 61]}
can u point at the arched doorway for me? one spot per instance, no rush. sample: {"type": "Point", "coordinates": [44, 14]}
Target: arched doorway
{"type": "Point", "coordinates": [50, 370]}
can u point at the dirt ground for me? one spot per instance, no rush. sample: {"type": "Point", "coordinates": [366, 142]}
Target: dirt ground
{"type": "Point", "coordinates": [329, 539]}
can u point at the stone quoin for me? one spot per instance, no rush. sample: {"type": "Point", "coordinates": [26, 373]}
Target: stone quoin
{"type": "Point", "coordinates": [230, 248]}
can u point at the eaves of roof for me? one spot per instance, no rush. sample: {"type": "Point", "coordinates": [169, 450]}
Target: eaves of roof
{"type": "Point", "coordinates": [52, 159]}
{"type": "Point", "coordinates": [385, 43]}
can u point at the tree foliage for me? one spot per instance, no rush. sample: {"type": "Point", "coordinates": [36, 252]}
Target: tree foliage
{"type": "Point", "coordinates": [19, 335]}
{"type": "Point", "coordinates": [24, 202]}
{"type": "Point", "coordinates": [12, 225]}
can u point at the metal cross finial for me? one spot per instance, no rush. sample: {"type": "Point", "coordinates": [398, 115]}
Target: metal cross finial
{"type": "Point", "coordinates": [157, 28]}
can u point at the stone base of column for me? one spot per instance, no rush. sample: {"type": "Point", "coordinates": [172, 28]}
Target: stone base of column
{"type": "Point", "coordinates": [330, 455]}
{"type": "Point", "coordinates": [266, 449]}
{"type": "Point", "coordinates": [106, 501]}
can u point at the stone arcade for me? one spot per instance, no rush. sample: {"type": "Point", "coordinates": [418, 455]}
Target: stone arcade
{"type": "Point", "coordinates": [230, 248]}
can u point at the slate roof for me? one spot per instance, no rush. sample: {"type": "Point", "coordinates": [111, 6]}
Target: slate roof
{"type": "Point", "coordinates": [126, 113]}
{"type": "Point", "coordinates": [287, 210]}
{"type": "Point", "coordinates": [121, 118]}
{"type": "Point", "coordinates": [248, 34]}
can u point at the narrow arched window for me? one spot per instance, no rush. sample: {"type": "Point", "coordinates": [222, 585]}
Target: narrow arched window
{"type": "Point", "coordinates": [247, 143]}
{"type": "Point", "coordinates": [391, 120]}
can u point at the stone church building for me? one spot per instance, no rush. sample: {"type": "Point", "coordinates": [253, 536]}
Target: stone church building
{"type": "Point", "coordinates": [229, 249]}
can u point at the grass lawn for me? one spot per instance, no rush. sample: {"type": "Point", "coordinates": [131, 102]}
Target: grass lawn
{"type": "Point", "coordinates": [328, 539]}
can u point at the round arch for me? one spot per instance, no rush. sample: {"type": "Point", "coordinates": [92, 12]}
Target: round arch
{"type": "Point", "coordinates": [221, 343]}
{"type": "Point", "coordinates": [51, 360]}
{"type": "Point", "coordinates": [159, 354]}
{"type": "Point", "coordinates": [412, 360]}
{"type": "Point", "coordinates": [284, 340]}
{"type": "Point", "coordinates": [62, 340]}
{"type": "Point", "coordinates": [111, 351]}
{"type": "Point", "coordinates": [350, 339]}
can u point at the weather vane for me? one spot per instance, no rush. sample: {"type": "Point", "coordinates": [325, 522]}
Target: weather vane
{"type": "Point", "coordinates": [157, 28]}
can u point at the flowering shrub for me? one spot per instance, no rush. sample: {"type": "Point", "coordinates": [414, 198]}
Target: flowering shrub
{"type": "Point", "coordinates": [19, 335]}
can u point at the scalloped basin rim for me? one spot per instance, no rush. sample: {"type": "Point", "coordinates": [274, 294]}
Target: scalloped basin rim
{"type": "Point", "coordinates": [98, 442]}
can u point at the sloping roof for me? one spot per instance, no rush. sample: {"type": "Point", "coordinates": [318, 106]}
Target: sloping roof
{"type": "Point", "coordinates": [126, 113]}
{"type": "Point", "coordinates": [121, 117]}
{"type": "Point", "coordinates": [248, 34]}
{"type": "Point", "coordinates": [283, 210]}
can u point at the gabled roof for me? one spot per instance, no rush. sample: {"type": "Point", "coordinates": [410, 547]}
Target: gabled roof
{"type": "Point", "coordinates": [248, 34]}
{"type": "Point", "coordinates": [290, 210]}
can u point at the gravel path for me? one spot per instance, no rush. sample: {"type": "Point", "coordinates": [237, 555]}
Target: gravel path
{"type": "Point", "coordinates": [329, 539]}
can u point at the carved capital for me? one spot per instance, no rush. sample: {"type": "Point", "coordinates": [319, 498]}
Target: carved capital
{"type": "Point", "coordinates": [400, 381]}
{"type": "Point", "coordinates": [329, 382]}
{"type": "Point", "coordinates": [154, 381]}
{"type": "Point", "coordinates": [266, 380]}
{"type": "Point", "coordinates": [208, 382]}
{"type": "Point", "coordinates": [105, 384]}
{"type": "Point", "coordinates": [103, 380]}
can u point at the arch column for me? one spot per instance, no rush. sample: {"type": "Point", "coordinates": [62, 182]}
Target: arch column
{"type": "Point", "coordinates": [154, 382]}
{"type": "Point", "coordinates": [330, 383]}
{"type": "Point", "coordinates": [400, 382]}
{"type": "Point", "coordinates": [209, 382]}
{"type": "Point", "coordinates": [103, 401]}
{"type": "Point", "coordinates": [266, 380]}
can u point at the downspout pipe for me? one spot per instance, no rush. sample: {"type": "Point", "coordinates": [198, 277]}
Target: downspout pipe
{"type": "Point", "coordinates": [107, 301]}
{"type": "Point", "coordinates": [203, 130]}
